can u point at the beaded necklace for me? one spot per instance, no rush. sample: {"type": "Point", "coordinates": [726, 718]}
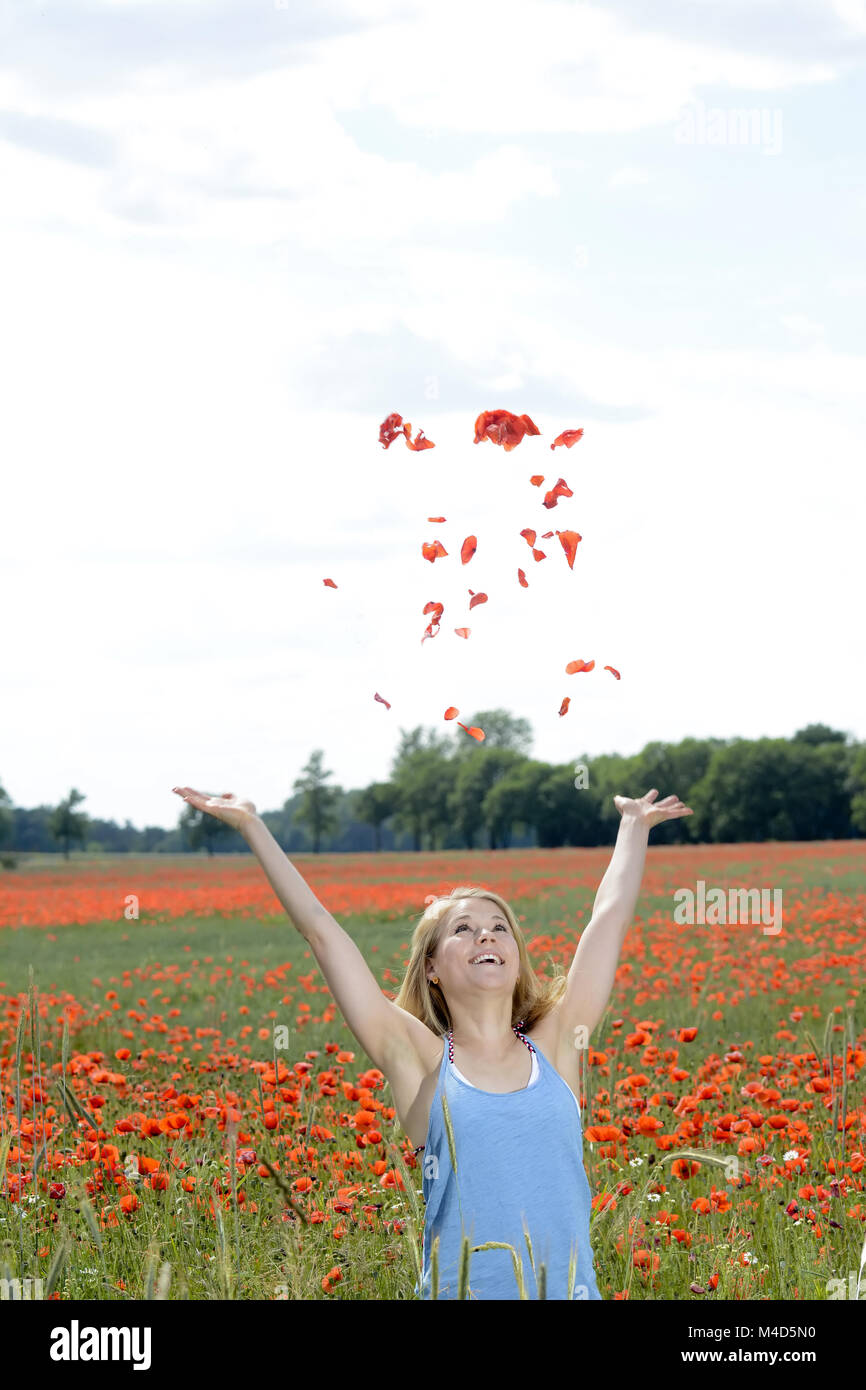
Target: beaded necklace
{"type": "Point", "coordinates": [516, 1029]}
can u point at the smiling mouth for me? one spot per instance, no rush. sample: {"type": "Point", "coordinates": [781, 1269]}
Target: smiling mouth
{"type": "Point", "coordinates": [487, 960]}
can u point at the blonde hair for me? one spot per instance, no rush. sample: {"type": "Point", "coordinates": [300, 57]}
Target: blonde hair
{"type": "Point", "coordinates": [533, 996]}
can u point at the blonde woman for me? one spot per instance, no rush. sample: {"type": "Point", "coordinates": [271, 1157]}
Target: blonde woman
{"type": "Point", "coordinates": [474, 1024]}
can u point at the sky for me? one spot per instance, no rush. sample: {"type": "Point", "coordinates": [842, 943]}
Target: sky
{"type": "Point", "coordinates": [236, 236]}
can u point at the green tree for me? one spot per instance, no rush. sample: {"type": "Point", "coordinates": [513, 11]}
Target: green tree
{"type": "Point", "coordinates": [478, 772]}
{"type": "Point", "coordinates": [673, 768]}
{"type": "Point", "coordinates": [776, 789]}
{"type": "Point", "coordinates": [512, 799]}
{"type": "Point", "coordinates": [201, 830]}
{"type": "Point", "coordinates": [373, 805]}
{"type": "Point", "coordinates": [610, 775]}
{"type": "Point", "coordinates": [501, 730]}
{"type": "Point", "coordinates": [318, 807]}
{"type": "Point", "coordinates": [565, 814]}
{"type": "Point", "coordinates": [422, 775]}
{"type": "Point", "coordinates": [856, 788]}
{"type": "Point", "coordinates": [820, 733]}
{"type": "Point", "coordinates": [7, 820]}
{"type": "Point", "coordinates": [67, 824]}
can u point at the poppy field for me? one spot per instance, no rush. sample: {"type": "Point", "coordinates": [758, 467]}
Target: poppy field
{"type": "Point", "coordinates": [185, 1114]}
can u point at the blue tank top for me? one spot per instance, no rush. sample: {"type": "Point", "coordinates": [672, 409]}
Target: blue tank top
{"type": "Point", "coordinates": [519, 1158]}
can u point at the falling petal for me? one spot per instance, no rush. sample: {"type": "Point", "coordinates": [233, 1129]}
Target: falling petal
{"type": "Point", "coordinates": [537, 479]}
{"type": "Point", "coordinates": [528, 535]}
{"type": "Point", "coordinates": [523, 580]}
{"type": "Point", "coordinates": [563, 708]}
{"type": "Point", "coordinates": [569, 541]}
{"type": "Point", "coordinates": [470, 545]}
{"type": "Point", "coordinates": [463, 631]}
{"type": "Point", "coordinates": [560, 489]}
{"type": "Point", "coordinates": [432, 550]}
{"type": "Point", "coordinates": [613, 672]}
{"type": "Point", "coordinates": [473, 733]}
{"type": "Point", "coordinates": [393, 425]}
{"type": "Point", "coordinates": [574, 667]}
{"type": "Point", "coordinates": [437, 610]}
{"type": "Point", "coordinates": [435, 518]}
{"type": "Point", "coordinates": [381, 701]}
{"type": "Point", "coordinates": [568, 437]}
{"type": "Point", "coordinates": [539, 555]}
{"type": "Point", "coordinates": [330, 583]}
{"type": "Point", "coordinates": [390, 427]}
{"type": "Point", "coordinates": [502, 427]}
{"type": "Point", "coordinates": [420, 442]}
{"type": "Point", "coordinates": [452, 712]}
{"type": "Point", "coordinates": [547, 535]}
{"type": "Point", "coordinates": [477, 598]}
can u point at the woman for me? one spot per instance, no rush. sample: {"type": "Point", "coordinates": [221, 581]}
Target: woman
{"type": "Point", "coordinates": [470, 1021]}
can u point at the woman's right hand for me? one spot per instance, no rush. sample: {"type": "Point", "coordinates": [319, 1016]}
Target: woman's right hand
{"type": "Point", "coordinates": [228, 807]}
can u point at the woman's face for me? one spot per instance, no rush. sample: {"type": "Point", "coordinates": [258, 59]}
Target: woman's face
{"type": "Point", "coordinates": [475, 928]}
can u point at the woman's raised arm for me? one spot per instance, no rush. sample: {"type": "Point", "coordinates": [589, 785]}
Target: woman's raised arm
{"type": "Point", "coordinates": [382, 1028]}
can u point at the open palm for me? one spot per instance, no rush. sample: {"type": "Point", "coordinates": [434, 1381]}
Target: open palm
{"type": "Point", "coordinates": [228, 807]}
{"type": "Point", "coordinates": [650, 812]}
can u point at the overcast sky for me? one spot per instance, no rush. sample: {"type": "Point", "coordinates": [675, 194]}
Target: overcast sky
{"type": "Point", "coordinates": [237, 235]}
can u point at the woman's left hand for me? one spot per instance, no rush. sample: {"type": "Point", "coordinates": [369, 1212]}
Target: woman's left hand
{"type": "Point", "coordinates": [651, 814]}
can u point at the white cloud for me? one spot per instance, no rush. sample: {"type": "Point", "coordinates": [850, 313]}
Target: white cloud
{"type": "Point", "coordinates": [628, 177]}
{"type": "Point", "coordinates": [852, 13]}
{"type": "Point", "coordinates": [802, 328]}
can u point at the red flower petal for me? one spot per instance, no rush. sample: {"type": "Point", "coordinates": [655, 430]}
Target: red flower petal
{"type": "Point", "coordinates": [463, 631]}
{"type": "Point", "coordinates": [612, 671]}
{"type": "Point", "coordinates": [560, 489]}
{"type": "Point", "coordinates": [330, 583]}
{"type": "Point", "coordinates": [474, 733]}
{"type": "Point", "coordinates": [435, 518]}
{"type": "Point", "coordinates": [568, 437]}
{"type": "Point", "coordinates": [563, 708]}
{"type": "Point", "coordinates": [393, 425]}
{"type": "Point", "coordinates": [502, 427]}
{"type": "Point", "coordinates": [420, 441]}
{"type": "Point", "coordinates": [537, 479]}
{"type": "Point", "coordinates": [452, 712]}
{"type": "Point", "coordinates": [569, 541]}
{"type": "Point", "coordinates": [390, 427]}
{"type": "Point", "coordinates": [528, 535]}
{"type": "Point", "coordinates": [468, 549]}
{"type": "Point", "coordinates": [432, 550]}
{"type": "Point", "coordinates": [522, 577]}
{"type": "Point", "coordinates": [381, 701]}
{"type": "Point", "coordinates": [574, 667]}
{"type": "Point", "coordinates": [539, 555]}
{"type": "Point", "coordinates": [477, 598]}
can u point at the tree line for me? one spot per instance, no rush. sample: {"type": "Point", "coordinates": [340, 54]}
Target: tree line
{"type": "Point", "coordinates": [444, 793]}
